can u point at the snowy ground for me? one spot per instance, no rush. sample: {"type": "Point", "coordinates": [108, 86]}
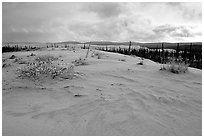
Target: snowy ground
{"type": "Point", "coordinates": [118, 97]}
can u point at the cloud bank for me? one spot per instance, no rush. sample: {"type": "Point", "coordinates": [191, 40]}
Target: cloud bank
{"type": "Point", "coordinates": [143, 22]}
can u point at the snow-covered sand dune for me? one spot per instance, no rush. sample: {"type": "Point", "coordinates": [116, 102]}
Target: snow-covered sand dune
{"type": "Point", "coordinates": [117, 97]}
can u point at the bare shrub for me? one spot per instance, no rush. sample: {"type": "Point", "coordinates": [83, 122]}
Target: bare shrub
{"type": "Point", "coordinates": [43, 67]}
{"type": "Point", "coordinates": [177, 66]}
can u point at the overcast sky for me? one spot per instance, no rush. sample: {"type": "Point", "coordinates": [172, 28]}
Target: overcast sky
{"type": "Point", "coordinates": [143, 22]}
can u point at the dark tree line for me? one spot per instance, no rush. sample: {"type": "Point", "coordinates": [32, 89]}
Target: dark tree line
{"type": "Point", "coordinates": [15, 48]}
{"type": "Point", "coordinates": [54, 45]}
{"type": "Point", "coordinates": [189, 55]}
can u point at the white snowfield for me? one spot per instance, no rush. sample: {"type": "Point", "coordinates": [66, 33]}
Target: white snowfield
{"type": "Point", "coordinates": [117, 97]}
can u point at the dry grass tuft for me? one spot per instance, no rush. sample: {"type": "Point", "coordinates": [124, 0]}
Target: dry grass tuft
{"type": "Point", "coordinates": [176, 66]}
{"type": "Point", "coordinates": [43, 67]}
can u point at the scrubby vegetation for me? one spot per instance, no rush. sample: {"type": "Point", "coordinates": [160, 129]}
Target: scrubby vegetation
{"type": "Point", "coordinates": [177, 66]}
{"type": "Point", "coordinates": [45, 67]}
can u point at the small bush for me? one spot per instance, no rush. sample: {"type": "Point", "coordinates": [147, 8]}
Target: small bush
{"type": "Point", "coordinates": [177, 66]}
{"type": "Point", "coordinates": [43, 67]}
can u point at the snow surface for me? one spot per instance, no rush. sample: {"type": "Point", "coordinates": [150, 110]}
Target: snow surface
{"type": "Point", "coordinates": [118, 97]}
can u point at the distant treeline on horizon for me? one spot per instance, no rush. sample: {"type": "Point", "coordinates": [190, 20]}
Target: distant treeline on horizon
{"type": "Point", "coordinates": [167, 45]}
